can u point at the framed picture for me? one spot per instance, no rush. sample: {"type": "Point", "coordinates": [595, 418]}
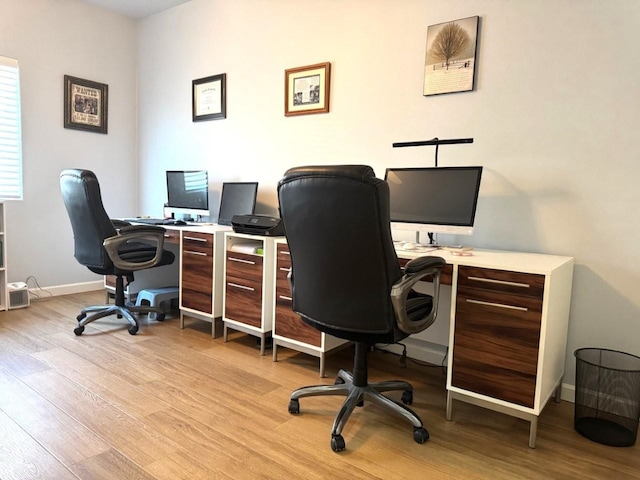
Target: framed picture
{"type": "Point", "coordinates": [450, 61]}
{"type": "Point", "coordinates": [85, 104]}
{"type": "Point", "coordinates": [306, 89]}
{"type": "Point", "coordinates": [209, 97]}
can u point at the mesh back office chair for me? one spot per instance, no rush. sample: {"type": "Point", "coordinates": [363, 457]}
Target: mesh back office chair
{"type": "Point", "coordinates": [105, 251]}
{"type": "Point", "coordinates": [346, 280]}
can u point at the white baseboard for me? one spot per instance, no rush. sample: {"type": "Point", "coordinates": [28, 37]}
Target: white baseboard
{"type": "Point", "coordinates": [69, 289]}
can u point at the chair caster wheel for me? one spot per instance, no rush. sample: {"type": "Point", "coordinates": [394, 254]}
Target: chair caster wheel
{"type": "Point", "coordinates": [407, 397]}
{"type": "Point", "coordinates": [294, 406]}
{"type": "Point", "coordinates": [78, 331]}
{"type": "Point", "coordinates": [339, 381]}
{"type": "Point", "coordinates": [160, 316]}
{"type": "Point", "coordinates": [80, 317]}
{"type": "Point", "coordinates": [133, 329]}
{"type": "Point", "coordinates": [420, 435]}
{"type": "Point", "coordinates": [337, 443]}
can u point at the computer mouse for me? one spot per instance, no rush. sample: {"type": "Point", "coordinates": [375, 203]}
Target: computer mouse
{"type": "Point", "coordinates": [179, 222]}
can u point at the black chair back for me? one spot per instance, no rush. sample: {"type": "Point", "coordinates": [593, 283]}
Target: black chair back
{"type": "Point", "coordinates": [89, 221]}
{"type": "Point", "coordinates": [344, 263]}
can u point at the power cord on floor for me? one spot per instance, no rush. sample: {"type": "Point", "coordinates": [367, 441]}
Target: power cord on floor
{"type": "Point", "coordinates": [404, 357]}
{"type": "Point", "coordinates": [36, 292]}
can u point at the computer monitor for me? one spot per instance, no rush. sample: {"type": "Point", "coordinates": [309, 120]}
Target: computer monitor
{"type": "Point", "coordinates": [435, 200]}
{"type": "Point", "coordinates": [237, 198]}
{"type": "Point", "coordinates": [188, 192]}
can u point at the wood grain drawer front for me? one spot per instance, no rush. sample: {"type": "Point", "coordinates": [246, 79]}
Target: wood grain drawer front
{"type": "Point", "coordinates": [172, 236]}
{"type": "Point", "coordinates": [288, 323]}
{"type": "Point", "coordinates": [197, 272]}
{"type": "Point", "coordinates": [496, 343]}
{"type": "Point", "coordinates": [243, 300]}
{"type": "Point", "coordinates": [528, 284]}
{"type": "Point", "coordinates": [445, 277]}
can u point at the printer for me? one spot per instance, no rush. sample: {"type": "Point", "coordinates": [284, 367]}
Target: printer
{"type": "Point", "coordinates": [255, 224]}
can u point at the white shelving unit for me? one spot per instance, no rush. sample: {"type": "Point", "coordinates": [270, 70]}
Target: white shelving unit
{"type": "Point", "coordinates": [4, 300]}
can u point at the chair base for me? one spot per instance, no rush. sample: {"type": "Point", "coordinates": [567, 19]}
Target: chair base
{"type": "Point", "coordinates": [125, 311]}
{"type": "Point", "coordinates": [355, 396]}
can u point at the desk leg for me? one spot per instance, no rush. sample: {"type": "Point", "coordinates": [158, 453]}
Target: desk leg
{"type": "Point", "coordinates": [181, 320]}
{"type": "Point", "coordinates": [449, 405]}
{"type": "Point", "coordinates": [533, 430]}
{"type": "Point", "coordinates": [558, 395]}
{"type": "Point", "coordinates": [275, 350]}
{"type": "Point", "coordinates": [322, 365]}
{"type": "Point", "coordinates": [224, 333]}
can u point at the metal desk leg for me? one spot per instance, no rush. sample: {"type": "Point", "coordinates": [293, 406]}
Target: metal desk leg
{"type": "Point", "coordinates": [449, 405]}
{"type": "Point", "coordinates": [533, 430]}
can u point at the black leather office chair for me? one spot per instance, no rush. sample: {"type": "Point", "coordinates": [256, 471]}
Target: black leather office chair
{"type": "Point", "coordinates": [106, 251]}
{"type": "Point", "coordinates": [346, 279]}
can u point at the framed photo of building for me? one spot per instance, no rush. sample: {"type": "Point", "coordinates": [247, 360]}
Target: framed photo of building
{"type": "Point", "coordinates": [85, 104]}
{"type": "Point", "coordinates": [307, 89]}
{"type": "Point", "coordinates": [209, 97]}
{"type": "Point", "coordinates": [450, 60]}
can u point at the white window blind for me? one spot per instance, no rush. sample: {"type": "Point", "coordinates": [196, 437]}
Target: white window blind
{"type": "Point", "coordinates": [10, 133]}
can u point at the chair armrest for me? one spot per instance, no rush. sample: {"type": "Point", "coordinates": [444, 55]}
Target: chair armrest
{"type": "Point", "coordinates": [415, 271]}
{"type": "Point", "coordinates": [118, 224]}
{"type": "Point", "coordinates": [154, 237]}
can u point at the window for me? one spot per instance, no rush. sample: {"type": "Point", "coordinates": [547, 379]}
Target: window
{"type": "Point", "coordinates": [10, 133]}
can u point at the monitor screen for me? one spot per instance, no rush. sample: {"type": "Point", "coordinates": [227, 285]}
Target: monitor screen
{"type": "Point", "coordinates": [237, 198]}
{"type": "Point", "coordinates": [188, 192]}
{"type": "Point", "coordinates": [439, 200]}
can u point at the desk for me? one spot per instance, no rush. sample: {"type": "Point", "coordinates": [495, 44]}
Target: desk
{"type": "Point", "coordinates": [508, 318]}
{"type": "Point", "coordinates": [508, 330]}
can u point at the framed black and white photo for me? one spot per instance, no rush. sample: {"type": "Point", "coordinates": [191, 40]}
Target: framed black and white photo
{"type": "Point", "coordinates": [209, 97]}
{"type": "Point", "coordinates": [85, 104]}
{"type": "Point", "coordinates": [307, 89]}
{"type": "Point", "coordinates": [450, 61]}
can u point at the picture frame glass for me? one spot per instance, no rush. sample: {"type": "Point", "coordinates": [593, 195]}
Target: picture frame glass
{"type": "Point", "coordinates": [450, 58]}
{"type": "Point", "coordinates": [209, 98]}
{"type": "Point", "coordinates": [85, 104]}
{"type": "Point", "coordinates": [307, 89]}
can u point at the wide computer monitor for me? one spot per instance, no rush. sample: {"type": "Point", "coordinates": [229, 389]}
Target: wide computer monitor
{"type": "Point", "coordinates": [188, 192]}
{"type": "Point", "coordinates": [435, 200]}
{"type": "Point", "coordinates": [237, 198]}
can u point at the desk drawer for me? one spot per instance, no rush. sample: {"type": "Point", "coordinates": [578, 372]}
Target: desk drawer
{"type": "Point", "coordinates": [243, 281]}
{"type": "Point", "coordinates": [497, 333]}
{"type": "Point", "coordinates": [197, 271]}
{"type": "Point", "coordinates": [172, 236]}
{"type": "Point", "coordinates": [197, 243]}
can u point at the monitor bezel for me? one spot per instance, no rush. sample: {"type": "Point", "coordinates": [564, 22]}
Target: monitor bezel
{"type": "Point", "coordinates": [450, 228]}
{"type": "Point", "coordinates": [227, 222]}
{"type": "Point", "coordinates": [186, 210]}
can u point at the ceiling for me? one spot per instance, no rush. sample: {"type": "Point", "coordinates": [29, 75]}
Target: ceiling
{"type": "Point", "coordinates": [136, 8]}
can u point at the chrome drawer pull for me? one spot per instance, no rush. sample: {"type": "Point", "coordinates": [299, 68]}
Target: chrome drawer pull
{"type": "Point", "coordinates": [244, 287]}
{"type": "Point", "coordinates": [500, 282]}
{"type": "Point", "coordinates": [195, 239]}
{"type": "Point", "coordinates": [284, 252]}
{"type": "Point", "coordinates": [282, 269]}
{"type": "Point", "coordinates": [191, 252]}
{"type": "Point", "coordinates": [282, 297]}
{"type": "Point", "coordinates": [499, 305]}
{"type": "Point", "coordinates": [241, 260]}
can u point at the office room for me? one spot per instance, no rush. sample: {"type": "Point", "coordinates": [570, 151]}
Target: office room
{"type": "Point", "coordinates": [552, 115]}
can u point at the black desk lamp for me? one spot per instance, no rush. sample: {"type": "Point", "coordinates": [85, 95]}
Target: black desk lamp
{"type": "Point", "coordinates": [434, 141]}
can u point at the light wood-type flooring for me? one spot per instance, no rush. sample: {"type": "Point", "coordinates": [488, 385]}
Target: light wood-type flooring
{"type": "Point", "coordinates": [176, 404]}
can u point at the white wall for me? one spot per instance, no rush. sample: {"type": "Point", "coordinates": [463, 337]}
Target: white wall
{"type": "Point", "coordinates": [51, 38]}
{"type": "Point", "coordinates": [553, 116]}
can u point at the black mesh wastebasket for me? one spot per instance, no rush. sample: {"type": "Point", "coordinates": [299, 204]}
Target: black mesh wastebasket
{"type": "Point", "coordinates": [607, 405]}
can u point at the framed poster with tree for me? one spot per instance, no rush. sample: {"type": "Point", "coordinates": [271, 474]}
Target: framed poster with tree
{"type": "Point", "coordinates": [450, 61]}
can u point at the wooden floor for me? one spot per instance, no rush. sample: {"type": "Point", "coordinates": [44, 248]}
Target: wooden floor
{"type": "Point", "coordinates": [175, 404]}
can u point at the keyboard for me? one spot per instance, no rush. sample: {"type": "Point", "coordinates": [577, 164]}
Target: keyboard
{"type": "Point", "coordinates": [152, 221]}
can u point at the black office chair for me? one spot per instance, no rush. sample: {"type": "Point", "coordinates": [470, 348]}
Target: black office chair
{"type": "Point", "coordinates": [346, 279]}
{"type": "Point", "coordinates": [107, 251]}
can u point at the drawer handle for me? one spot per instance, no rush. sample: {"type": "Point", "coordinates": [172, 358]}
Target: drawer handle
{"type": "Point", "coordinates": [282, 269]}
{"type": "Point", "coordinates": [195, 239]}
{"type": "Point", "coordinates": [499, 305]}
{"type": "Point", "coordinates": [191, 252]}
{"type": "Point", "coordinates": [243, 287]}
{"type": "Point", "coordinates": [283, 297]}
{"type": "Point", "coordinates": [241, 260]}
{"type": "Point", "coordinates": [284, 252]}
{"type": "Point", "coordinates": [499, 282]}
